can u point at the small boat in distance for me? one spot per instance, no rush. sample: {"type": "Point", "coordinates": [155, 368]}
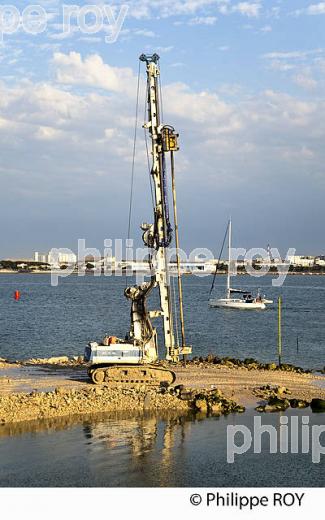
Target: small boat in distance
{"type": "Point", "coordinates": [247, 301]}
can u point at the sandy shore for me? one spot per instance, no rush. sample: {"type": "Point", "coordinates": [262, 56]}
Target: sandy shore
{"type": "Point", "coordinates": [30, 392]}
{"type": "Point", "coordinates": [237, 383]}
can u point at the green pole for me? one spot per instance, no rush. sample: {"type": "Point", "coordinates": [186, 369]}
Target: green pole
{"type": "Point", "coordinates": [280, 330]}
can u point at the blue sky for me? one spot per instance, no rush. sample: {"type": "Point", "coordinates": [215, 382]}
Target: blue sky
{"type": "Point", "coordinates": [243, 84]}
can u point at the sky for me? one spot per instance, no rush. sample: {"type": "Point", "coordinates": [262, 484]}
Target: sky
{"type": "Point", "coordinates": [243, 84]}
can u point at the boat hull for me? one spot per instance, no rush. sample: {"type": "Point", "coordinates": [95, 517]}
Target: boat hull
{"type": "Point", "coordinates": [237, 304]}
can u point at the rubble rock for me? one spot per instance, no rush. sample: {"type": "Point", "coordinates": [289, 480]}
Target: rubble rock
{"type": "Point", "coordinates": [298, 403]}
{"type": "Point", "coordinates": [216, 408]}
{"type": "Point", "coordinates": [201, 404]}
{"type": "Point", "coordinates": [318, 405]}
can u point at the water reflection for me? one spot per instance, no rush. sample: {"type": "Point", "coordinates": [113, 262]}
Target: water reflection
{"type": "Point", "coordinates": [108, 425]}
{"type": "Point", "coordinates": [119, 449]}
{"type": "Point", "coordinates": [141, 444]}
{"type": "Point", "coordinates": [117, 444]}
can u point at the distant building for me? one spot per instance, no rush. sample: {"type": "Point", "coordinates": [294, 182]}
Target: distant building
{"type": "Point", "coordinates": [320, 260]}
{"type": "Point", "coordinates": [302, 261]}
{"type": "Point", "coordinates": [56, 259]}
{"type": "Point", "coordinates": [41, 257]}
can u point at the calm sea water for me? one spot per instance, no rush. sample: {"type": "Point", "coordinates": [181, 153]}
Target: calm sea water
{"type": "Point", "coordinates": [151, 451]}
{"type": "Point", "coordinates": [148, 450]}
{"type": "Point", "coordinates": [51, 321]}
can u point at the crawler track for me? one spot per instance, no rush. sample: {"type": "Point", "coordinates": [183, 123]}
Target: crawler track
{"type": "Point", "coordinates": [130, 375]}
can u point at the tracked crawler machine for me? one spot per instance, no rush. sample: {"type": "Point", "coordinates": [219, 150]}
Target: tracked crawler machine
{"type": "Point", "coordinates": [135, 360]}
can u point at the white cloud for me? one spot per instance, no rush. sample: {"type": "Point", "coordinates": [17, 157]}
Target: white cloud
{"type": "Point", "coordinates": [290, 110]}
{"type": "Point", "coordinates": [274, 12]}
{"type": "Point", "coordinates": [203, 20]}
{"type": "Point", "coordinates": [144, 32]}
{"type": "Point", "coordinates": [250, 9]}
{"type": "Point", "coordinates": [247, 9]}
{"type": "Point", "coordinates": [300, 153]}
{"type": "Point", "coordinates": [305, 81]}
{"type": "Point", "coordinates": [56, 138]}
{"type": "Point", "coordinates": [315, 9]}
{"type": "Point", "coordinates": [48, 133]}
{"type": "Point", "coordinates": [293, 54]}
{"type": "Point", "coordinates": [92, 72]}
{"type": "Point", "coordinates": [178, 64]}
{"type": "Point", "coordinates": [51, 110]}
{"type": "Point", "coordinates": [307, 64]}
{"type": "Point", "coordinates": [266, 29]}
{"type": "Point", "coordinates": [201, 108]}
{"type": "Point", "coordinates": [90, 39]}
{"type": "Point", "coordinates": [281, 65]}
{"type": "Point", "coordinates": [311, 10]}
{"type": "Point", "coordinates": [146, 9]}
{"type": "Point", "coordinates": [110, 133]}
{"type": "Point", "coordinates": [168, 8]}
{"type": "Point", "coordinates": [163, 50]}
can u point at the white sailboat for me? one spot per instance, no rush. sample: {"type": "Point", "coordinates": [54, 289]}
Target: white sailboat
{"type": "Point", "coordinates": [247, 302]}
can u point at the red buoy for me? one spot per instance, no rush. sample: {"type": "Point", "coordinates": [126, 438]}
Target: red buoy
{"type": "Point", "coordinates": [17, 295]}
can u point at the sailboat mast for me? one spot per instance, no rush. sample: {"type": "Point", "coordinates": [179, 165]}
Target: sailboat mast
{"type": "Point", "coordinates": [229, 258]}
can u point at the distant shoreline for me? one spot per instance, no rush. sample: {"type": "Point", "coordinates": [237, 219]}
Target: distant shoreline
{"type": "Point", "coordinates": [199, 274]}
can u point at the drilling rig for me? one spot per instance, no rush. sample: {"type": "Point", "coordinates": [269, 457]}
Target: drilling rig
{"type": "Point", "coordinates": [135, 359]}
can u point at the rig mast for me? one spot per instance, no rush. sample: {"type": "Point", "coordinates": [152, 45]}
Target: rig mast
{"type": "Point", "coordinates": [134, 358]}
{"type": "Point", "coordinates": [158, 236]}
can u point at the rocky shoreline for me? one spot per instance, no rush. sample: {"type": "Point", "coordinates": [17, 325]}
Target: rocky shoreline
{"type": "Point", "coordinates": [210, 359]}
{"type": "Point", "coordinates": [278, 400]}
{"type": "Point", "coordinates": [99, 399]}
{"type": "Point", "coordinates": [59, 387]}
{"type": "Point", "coordinates": [252, 364]}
